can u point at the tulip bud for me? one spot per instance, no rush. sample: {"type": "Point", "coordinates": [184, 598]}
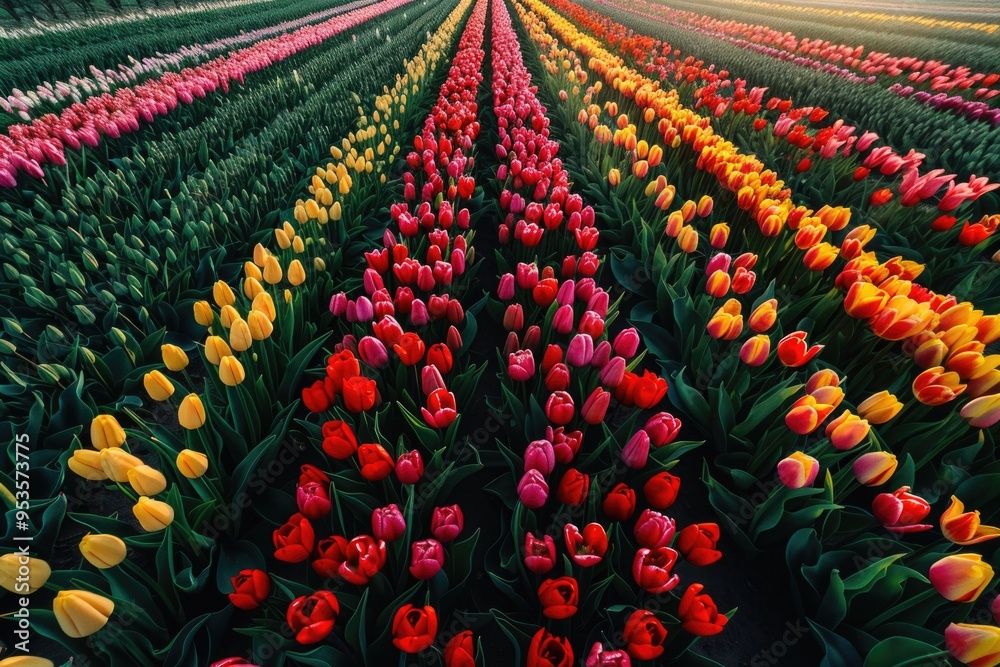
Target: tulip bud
{"type": "Point", "coordinates": [879, 408]}
{"type": "Point", "coordinates": [191, 413]}
{"type": "Point", "coordinates": [755, 350]}
{"type": "Point", "coordinates": [81, 613]}
{"type": "Point", "coordinates": [798, 470]}
{"type": "Point", "coordinates": [973, 644]}
{"type": "Point", "coordinates": [223, 294]}
{"type": "Point", "coordinates": [103, 551]}
{"type": "Point", "coordinates": [153, 515]}
{"type": "Point", "coordinates": [146, 480]}
{"type": "Point", "coordinates": [23, 574]}
{"type": "Point", "coordinates": [191, 464]}
{"type": "Point", "coordinates": [203, 314]}
{"type": "Point", "coordinates": [874, 468]}
{"type": "Point", "coordinates": [961, 577]}
{"type": "Point", "coordinates": [174, 358]}
{"type": "Point", "coordinates": [157, 385]}
{"type": "Point", "coordinates": [847, 430]}
{"type": "Point", "coordinates": [105, 431]}
{"type": "Point", "coordinates": [87, 464]}
{"type": "Point", "coordinates": [117, 463]}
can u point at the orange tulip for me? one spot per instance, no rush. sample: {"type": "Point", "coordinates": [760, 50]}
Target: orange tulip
{"type": "Point", "coordinates": [963, 527]}
{"type": "Point", "coordinates": [935, 386]}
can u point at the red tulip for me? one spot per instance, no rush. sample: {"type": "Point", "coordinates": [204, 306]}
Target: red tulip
{"type": "Point", "coordinates": [587, 548]}
{"type": "Point", "coordinates": [652, 569]}
{"type": "Point", "coordinates": [441, 409]}
{"type": "Point", "coordinates": [619, 504]}
{"type": "Point", "coordinates": [547, 650]}
{"type": "Point", "coordinates": [250, 588]}
{"type": "Point", "coordinates": [312, 617]}
{"type": "Point", "coordinates": [447, 523]}
{"type": "Point", "coordinates": [410, 467]}
{"type": "Point", "coordinates": [539, 554]}
{"type": "Point", "coordinates": [793, 350]}
{"type": "Point", "coordinates": [559, 408]}
{"type": "Point", "coordinates": [661, 490]}
{"type": "Point", "coordinates": [559, 597]}
{"type": "Point", "coordinates": [339, 441]}
{"type": "Point", "coordinates": [364, 558]}
{"type": "Point", "coordinates": [574, 486]}
{"type": "Point", "coordinates": [654, 530]}
{"type": "Point", "coordinates": [376, 463]}
{"type": "Point", "coordinates": [662, 428]}
{"type": "Point", "coordinates": [901, 511]}
{"type": "Point", "coordinates": [427, 558]}
{"type": "Point", "coordinates": [293, 541]}
{"type": "Point", "coordinates": [698, 613]}
{"type": "Point", "coordinates": [360, 394]}
{"type": "Point", "coordinates": [644, 635]}
{"type": "Point", "coordinates": [313, 500]}
{"type": "Point", "coordinates": [388, 523]}
{"type": "Point", "coordinates": [698, 543]}
{"type": "Point", "coordinates": [414, 628]}
{"type": "Point", "coordinates": [460, 651]}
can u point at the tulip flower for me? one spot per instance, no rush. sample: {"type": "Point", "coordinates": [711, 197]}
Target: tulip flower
{"type": "Point", "coordinates": [312, 617]}
{"type": "Point", "coordinates": [574, 486]}
{"type": "Point", "coordinates": [364, 557]}
{"type": "Point", "coordinates": [755, 350]}
{"type": "Point", "coordinates": [117, 463]}
{"type": "Point", "coordinates": [87, 464]}
{"type": "Point", "coordinates": [441, 409]}
{"type": "Point", "coordinates": [373, 352]}
{"type": "Point", "coordinates": [662, 428]}
{"type": "Point", "coordinates": [157, 385]}
{"type": "Point", "coordinates": [847, 431]}
{"type": "Point", "coordinates": [339, 441]}
{"type": "Point", "coordinates": [427, 558]}
{"type": "Point", "coordinates": [619, 504]}
{"type": "Point", "coordinates": [901, 511]}
{"type": "Point", "coordinates": [533, 490]}
{"type": "Point", "coordinates": [27, 661]}
{"type": "Point", "coordinates": [250, 588]}
{"type": "Point", "coordinates": [763, 316]}
{"type": "Point", "coordinates": [961, 577]}
{"type": "Point", "coordinates": [105, 431]}
{"type": "Point", "coordinates": [23, 575]}
{"type": "Point", "coordinates": [879, 408]}
{"type": "Point", "coordinates": [191, 464]}
{"type": "Point", "coordinates": [559, 408]}
{"type": "Point", "coordinates": [963, 527]}
{"type": "Point", "coordinates": [81, 613]}
{"type": "Point", "coordinates": [548, 650]}
{"type": "Point", "coordinates": [874, 468]}
{"type": "Point", "coordinates": [976, 645]}
{"type": "Point", "coordinates": [626, 343]}
{"type": "Point", "coordinates": [103, 551]}
{"type": "Point", "coordinates": [644, 391]}
{"type": "Point", "coordinates": [203, 313]}
{"type": "Point", "coordinates": [559, 597]}
{"type": "Point", "coordinates": [698, 613]}
{"type": "Point", "coordinates": [294, 540]}
{"type": "Point", "coordinates": [599, 657]}
{"type": "Point", "coordinates": [539, 554]}
{"type": "Point", "coordinates": [698, 542]}
{"type": "Point", "coordinates": [982, 412]}
{"type": "Point", "coordinates": [798, 470]}
{"type": "Point", "coordinates": [359, 394]}
{"type": "Point", "coordinates": [654, 530]}
{"type": "Point", "coordinates": [447, 523]}
{"type": "Point", "coordinates": [410, 467]}
{"type": "Point", "coordinates": [521, 365]}
{"type": "Point", "coordinates": [652, 569]}
{"type": "Point", "coordinates": [727, 322]}
{"type": "Point", "coordinates": [793, 351]}
{"type": "Point", "coordinates": [644, 635]}
{"type": "Point", "coordinates": [935, 386]}
{"type": "Point", "coordinates": [587, 548]}
{"type": "Point", "coordinates": [313, 500]}
{"type": "Point", "coordinates": [191, 413]}
{"type": "Point", "coordinates": [414, 628]}
{"type": "Point", "coordinates": [174, 358]}
{"type": "Point", "coordinates": [661, 490]}
{"type": "Point", "coordinates": [375, 462]}
{"type": "Point", "coordinates": [146, 480]}
{"type": "Point", "coordinates": [460, 651]}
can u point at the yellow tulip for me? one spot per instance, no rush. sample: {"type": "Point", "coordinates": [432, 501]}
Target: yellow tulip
{"type": "Point", "coordinates": [263, 303]}
{"type": "Point", "coordinates": [296, 274]}
{"type": "Point", "coordinates": [216, 349]}
{"type": "Point", "coordinates": [146, 480]}
{"type": "Point", "coordinates": [260, 255]}
{"type": "Point", "coordinates": [192, 464]}
{"type": "Point", "coordinates": [153, 515]}
{"type": "Point", "coordinates": [23, 574]}
{"type": "Point", "coordinates": [231, 372]}
{"type": "Point", "coordinates": [260, 326]}
{"type": "Point", "coordinates": [87, 464]}
{"type": "Point", "coordinates": [336, 211]}
{"type": "Point", "coordinates": [282, 238]}
{"type": "Point", "coordinates": [26, 661]}
{"type": "Point", "coordinates": [174, 358]}
{"type": "Point", "coordinates": [272, 271]}
{"type": "Point", "coordinates": [191, 413]}
{"type": "Point", "coordinates": [319, 264]}
{"type": "Point", "coordinates": [228, 315]}
{"type": "Point", "coordinates": [203, 313]}
{"type": "Point", "coordinates": [239, 336]}
{"type": "Point", "coordinates": [103, 551]}
{"type": "Point", "coordinates": [157, 385]}
{"type": "Point", "coordinates": [81, 613]}
{"type": "Point", "coordinates": [879, 408]}
{"type": "Point", "coordinates": [252, 287]}
{"type": "Point", "coordinates": [250, 270]}
{"type": "Point", "coordinates": [117, 462]}
{"type": "Point", "coordinates": [298, 245]}
{"type": "Point", "coordinates": [223, 294]}
{"type": "Point", "coordinates": [105, 431]}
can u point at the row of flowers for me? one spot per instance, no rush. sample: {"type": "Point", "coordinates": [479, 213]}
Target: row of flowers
{"type": "Point", "coordinates": [49, 97]}
{"type": "Point", "coordinates": [674, 274]}
{"type": "Point", "coordinates": [26, 147]}
{"type": "Point", "coordinates": [564, 365]}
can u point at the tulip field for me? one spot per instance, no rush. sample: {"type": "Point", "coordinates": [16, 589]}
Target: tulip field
{"type": "Point", "coordinates": [557, 333]}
